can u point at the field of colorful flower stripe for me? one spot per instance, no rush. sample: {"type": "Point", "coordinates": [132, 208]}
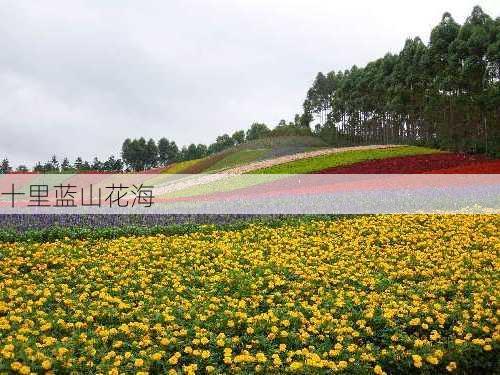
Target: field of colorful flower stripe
{"type": "Point", "coordinates": [313, 162]}
{"type": "Point", "coordinates": [383, 294]}
{"type": "Point", "coordinates": [430, 163]}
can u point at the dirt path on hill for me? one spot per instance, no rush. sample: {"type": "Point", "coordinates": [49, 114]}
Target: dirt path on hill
{"type": "Point", "coordinates": [302, 155]}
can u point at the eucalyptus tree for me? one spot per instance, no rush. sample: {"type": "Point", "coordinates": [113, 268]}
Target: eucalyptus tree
{"type": "Point", "coordinates": [443, 94]}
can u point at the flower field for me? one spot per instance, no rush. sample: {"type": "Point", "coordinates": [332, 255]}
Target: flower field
{"type": "Point", "coordinates": [430, 163]}
{"type": "Point", "coordinates": [369, 294]}
{"type": "Point", "coordinates": [343, 157]}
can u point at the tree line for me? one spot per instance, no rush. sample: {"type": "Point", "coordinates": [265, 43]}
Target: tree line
{"type": "Point", "coordinates": [53, 165]}
{"type": "Point", "coordinates": [139, 154]}
{"type": "Point", "coordinates": [443, 94]}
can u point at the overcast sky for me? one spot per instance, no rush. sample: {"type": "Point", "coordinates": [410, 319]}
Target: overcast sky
{"type": "Point", "coordinates": [77, 77]}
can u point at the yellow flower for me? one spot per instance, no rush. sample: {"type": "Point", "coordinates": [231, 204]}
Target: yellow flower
{"type": "Point", "coordinates": [118, 344]}
{"type": "Point", "coordinates": [15, 366]}
{"type": "Point", "coordinates": [451, 366]}
{"type": "Point", "coordinates": [276, 361]}
{"type": "Point", "coordinates": [260, 357]}
{"type": "Point", "coordinates": [174, 359]}
{"type": "Point", "coordinates": [62, 351]}
{"type": "Point", "coordinates": [294, 366]}
{"type": "Point", "coordinates": [137, 276]}
{"type": "Point", "coordinates": [434, 336]}
{"type": "Point", "coordinates": [47, 364]}
{"type": "Point", "coordinates": [432, 360]}
{"type": "Point", "coordinates": [417, 360]}
{"type": "Point", "coordinates": [156, 356]}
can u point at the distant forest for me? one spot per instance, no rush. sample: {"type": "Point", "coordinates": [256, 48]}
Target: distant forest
{"type": "Point", "coordinates": [443, 94]}
{"type": "Point", "coordinates": [141, 154]}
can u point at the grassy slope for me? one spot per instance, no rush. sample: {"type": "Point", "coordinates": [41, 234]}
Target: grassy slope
{"type": "Point", "coordinates": [180, 166]}
{"type": "Point", "coordinates": [238, 158]}
{"type": "Point", "coordinates": [245, 153]}
{"type": "Point", "coordinates": [197, 165]}
{"type": "Point", "coordinates": [343, 158]}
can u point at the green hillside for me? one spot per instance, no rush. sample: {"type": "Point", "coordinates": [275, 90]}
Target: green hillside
{"type": "Point", "coordinates": [261, 149]}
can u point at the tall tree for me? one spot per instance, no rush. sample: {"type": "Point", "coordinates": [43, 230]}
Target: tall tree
{"type": "Point", "coordinates": [5, 166]}
{"type": "Point", "coordinates": [238, 137]}
{"type": "Point", "coordinates": [443, 94]}
{"type": "Point", "coordinates": [257, 131]}
{"type": "Point", "coordinates": [96, 164]}
{"type": "Point", "coordinates": [78, 165]}
{"type": "Point", "coordinates": [66, 165]}
{"type": "Point", "coordinates": [53, 164]}
{"type": "Point", "coordinates": [151, 159]}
